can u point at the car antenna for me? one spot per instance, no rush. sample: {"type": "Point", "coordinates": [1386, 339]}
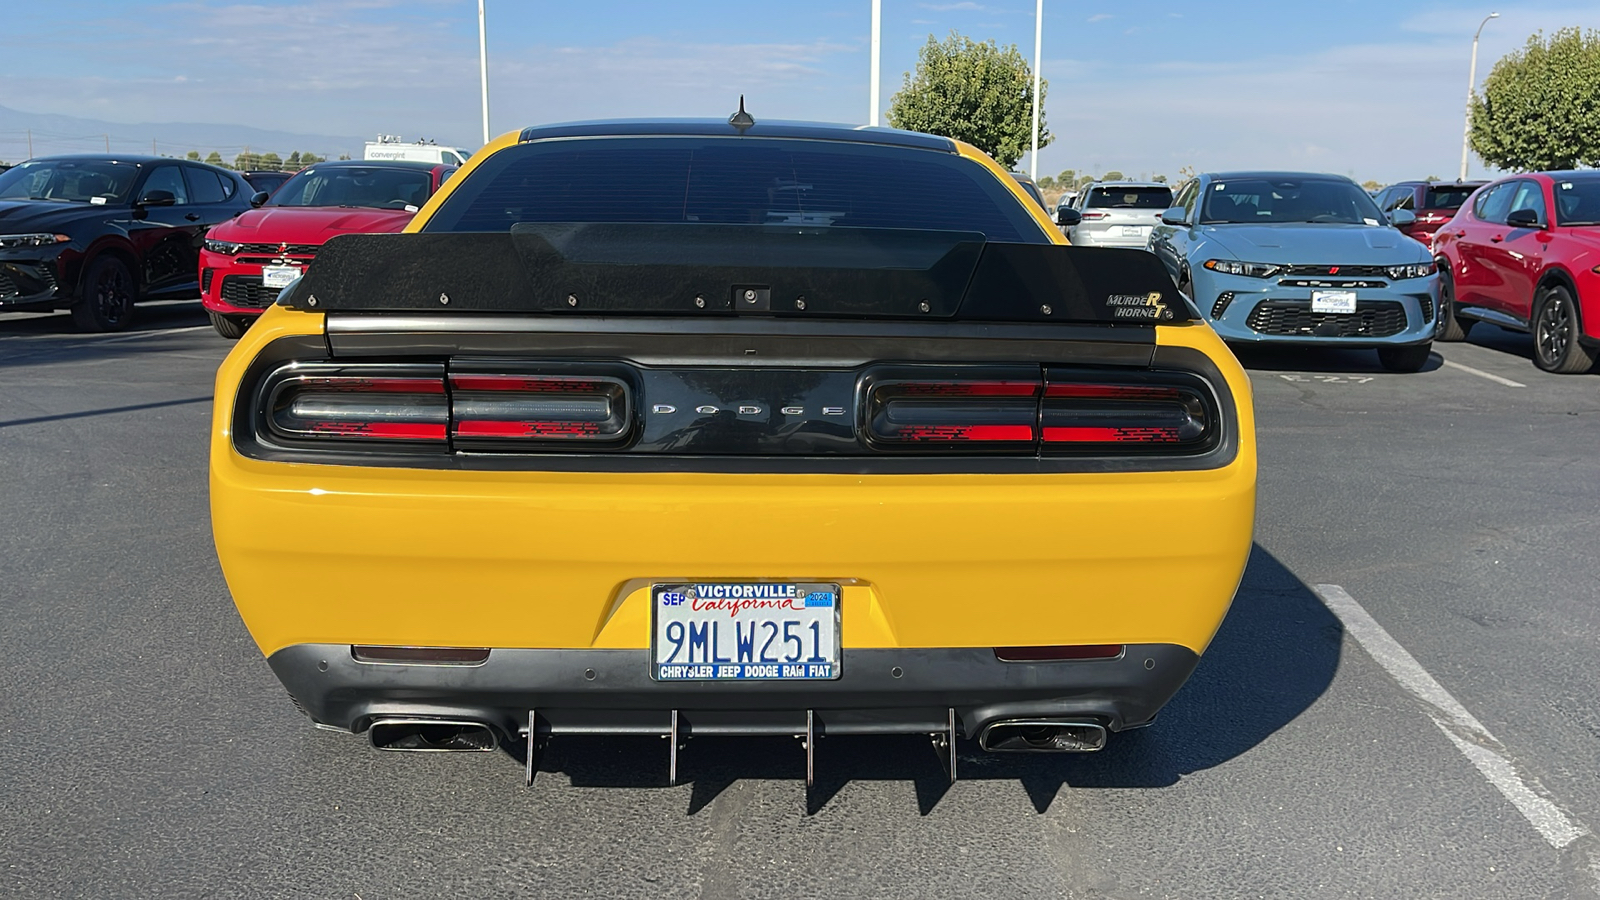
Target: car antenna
{"type": "Point", "coordinates": [741, 119]}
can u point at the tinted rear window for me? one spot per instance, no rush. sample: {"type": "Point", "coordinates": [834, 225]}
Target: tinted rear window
{"type": "Point", "coordinates": [734, 181]}
{"type": "Point", "coordinates": [1448, 196]}
{"type": "Point", "coordinates": [1130, 198]}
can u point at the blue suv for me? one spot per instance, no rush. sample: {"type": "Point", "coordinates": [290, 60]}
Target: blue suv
{"type": "Point", "coordinates": [1301, 258]}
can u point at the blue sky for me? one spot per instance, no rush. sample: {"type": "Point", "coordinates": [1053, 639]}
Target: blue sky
{"type": "Point", "coordinates": [1362, 87]}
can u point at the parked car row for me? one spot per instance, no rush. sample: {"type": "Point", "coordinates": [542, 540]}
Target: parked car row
{"type": "Point", "coordinates": [96, 234]}
{"type": "Point", "coordinates": [1303, 258]}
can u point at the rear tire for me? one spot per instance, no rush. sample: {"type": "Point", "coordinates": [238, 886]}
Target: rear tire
{"type": "Point", "coordinates": [230, 327]}
{"type": "Point", "coordinates": [1405, 359]}
{"type": "Point", "coordinates": [1555, 334]}
{"type": "Point", "coordinates": [1451, 326]}
{"type": "Point", "coordinates": [105, 296]}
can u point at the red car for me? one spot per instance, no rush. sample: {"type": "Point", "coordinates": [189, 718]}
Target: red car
{"type": "Point", "coordinates": [1432, 202]}
{"type": "Point", "coordinates": [247, 260]}
{"type": "Point", "coordinates": [1525, 254]}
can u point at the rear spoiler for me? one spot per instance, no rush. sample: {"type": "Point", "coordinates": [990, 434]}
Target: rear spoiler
{"type": "Point", "coordinates": [791, 271]}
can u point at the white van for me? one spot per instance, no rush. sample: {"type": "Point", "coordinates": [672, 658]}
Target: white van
{"type": "Point", "coordinates": [389, 146]}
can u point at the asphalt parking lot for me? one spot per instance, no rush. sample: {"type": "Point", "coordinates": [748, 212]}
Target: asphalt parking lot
{"type": "Point", "coordinates": [1401, 703]}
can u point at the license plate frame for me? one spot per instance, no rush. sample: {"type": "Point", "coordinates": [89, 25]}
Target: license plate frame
{"type": "Point", "coordinates": [279, 276]}
{"type": "Point", "coordinates": [726, 652]}
{"type": "Point", "coordinates": [1335, 302]}
{"type": "Point", "coordinates": [1140, 231]}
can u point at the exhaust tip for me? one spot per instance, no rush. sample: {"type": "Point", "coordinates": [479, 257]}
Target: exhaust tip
{"type": "Point", "coordinates": [433, 736]}
{"type": "Point", "coordinates": [1042, 736]}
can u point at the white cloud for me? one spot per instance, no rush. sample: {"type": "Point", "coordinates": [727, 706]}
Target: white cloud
{"type": "Point", "coordinates": [1100, 17]}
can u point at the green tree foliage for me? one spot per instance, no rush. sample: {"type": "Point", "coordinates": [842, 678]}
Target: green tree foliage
{"type": "Point", "coordinates": [974, 92]}
{"type": "Point", "coordinates": [1540, 107]}
{"type": "Point", "coordinates": [215, 159]}
{"type": "Point", "coordinates": [307, 159]}
{"type": "Point", "coordinates": [1113, 175]}
{"type": "Point", "coordinates": [192, 155]}
{"type": "Point", "coordinates": [1369, 185]}
{"type": "Point", "coordinates": [293, 161]}
{"type": "Point", "coordinates": [271, 162]}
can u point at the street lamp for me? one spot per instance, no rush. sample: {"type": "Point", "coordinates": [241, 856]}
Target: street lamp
{"type": "Point", "coordinates": [483, 69]}
{"type": "Point", "coordinates": [877, 51]}
{"type": "Point", "coordinates": [1038, 37]}
{"type": "Point", "coordinates": [1472, 82]}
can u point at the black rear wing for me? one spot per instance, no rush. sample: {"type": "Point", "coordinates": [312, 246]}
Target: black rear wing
{"type": "Point", "coordinates": [721, 270]}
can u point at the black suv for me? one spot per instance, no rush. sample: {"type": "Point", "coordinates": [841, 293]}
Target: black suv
{"type": "Point", "coordinates": [96, 233]}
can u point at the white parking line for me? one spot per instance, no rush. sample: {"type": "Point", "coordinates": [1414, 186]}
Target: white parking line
{"type": "Point", "coordinates": [1482, 374]}
{"type": "Point", "coordinates": [1481, 748]}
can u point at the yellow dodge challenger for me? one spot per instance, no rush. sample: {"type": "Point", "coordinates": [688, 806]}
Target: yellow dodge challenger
{"type": "Point", "coordinates": [731, 427]}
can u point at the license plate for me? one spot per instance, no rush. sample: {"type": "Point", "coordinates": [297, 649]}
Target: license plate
{"type": "Point", "coordinates": [744, 631]}
{"type": "Point", "coordinates": [278, 276]}
{"type": "Point", "coordinates": [1135, 230]}
{"type": "Point", "coordinates": [1333, 301]}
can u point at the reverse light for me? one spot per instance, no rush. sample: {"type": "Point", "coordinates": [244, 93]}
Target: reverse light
{"type": "Point", "coordinates": [929, 410]}
{"type": "Point", "coordinates": [1415, 270]}
{"type": "Point", "coordinates": [1249, 269]}
{"type": "Point", "coordinates": [1132, 414]}
{"type": "Point", "coordinates": [41, 239]}
{"type": "Point", "coordinates": [538, 409]}
{"type": "Point", "coordinates": [226, 248]}
{"type": "Point", "coordinates": [383, 404]}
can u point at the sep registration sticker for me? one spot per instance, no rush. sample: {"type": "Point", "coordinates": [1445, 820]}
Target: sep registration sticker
{"type": "Point", "coordinates": [744, 631]}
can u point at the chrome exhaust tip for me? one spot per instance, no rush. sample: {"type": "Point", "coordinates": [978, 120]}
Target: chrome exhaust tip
{"type": "Point", "coordinates": [1042, 736]}
{"type": "Point", "coordinates": [432, 736]}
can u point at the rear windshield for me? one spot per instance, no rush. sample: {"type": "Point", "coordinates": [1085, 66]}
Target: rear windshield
{"type": "Point", "coordinates": [1129, 198]}
{"type": "Point", "coordinates": [368, 186]}
{"type": "Point", "coordinates": [1448, 196]}
{"type": "Point", "coordinates": [1292, 199]}
{"type": "Point", "coordinates": [735, 181]}
{"type": "Point", "coordinates": [1578, 202]}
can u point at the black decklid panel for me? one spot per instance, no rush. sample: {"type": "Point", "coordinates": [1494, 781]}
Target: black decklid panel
{"type": "Point", "coordinates": [710, 270]}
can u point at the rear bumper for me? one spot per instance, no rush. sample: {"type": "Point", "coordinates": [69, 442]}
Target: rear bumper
{"type": "Point", "coordinates": [611, 692]}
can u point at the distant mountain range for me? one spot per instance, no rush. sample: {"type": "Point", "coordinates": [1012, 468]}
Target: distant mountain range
{"type": "Point", "coordinates": [70, 134]}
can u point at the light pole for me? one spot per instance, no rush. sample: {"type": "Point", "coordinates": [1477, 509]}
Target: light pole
{"type": "Point", "coordinates": [1472, 82]}
{"type": "Point", "coordinates": [1038, 40]}
{"type": "Point", "coordinates": [877, 56]}
{"type": "Point", "coordinates": [483, 69]}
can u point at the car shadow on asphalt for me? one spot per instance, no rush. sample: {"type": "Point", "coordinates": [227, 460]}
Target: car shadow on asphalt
{"type": "Point", "coordinates": [1289, 358]}
{"type": "Point", "coordinates": [1275, 654]}
{"type": "Point", "coordinates": [27, 338]}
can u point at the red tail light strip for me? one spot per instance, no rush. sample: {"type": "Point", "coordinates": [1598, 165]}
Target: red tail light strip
{"type": "Point", "coordinates": [966, 433]}
{"type": "Point", "coordinates": [491, 429]}
{"type": "Point", "coordinates": [969, 389]}
{"type": "Point", "coordinates": [1107, 435]}
{"type": "Point", "coordinates": [393, 431]}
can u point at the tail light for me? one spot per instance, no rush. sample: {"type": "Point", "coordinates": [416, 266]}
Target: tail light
{"type": "Point", "coordinates": [929, 411]}
{"type": "Point", "coordinates": [1137, 412]}
{"type": "Point", "coordinates": [375, 404]}
{"type": "Point", "coordinates": [538, 410]}
{"type": "Point", "coordinates": [1091, 216]}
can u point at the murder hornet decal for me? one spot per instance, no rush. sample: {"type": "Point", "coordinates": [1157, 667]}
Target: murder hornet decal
{"type": "Point", "coordinates": [1148, 307]}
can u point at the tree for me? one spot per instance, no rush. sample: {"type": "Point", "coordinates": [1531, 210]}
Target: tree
{"type": "Point", "coordinates": [271, 162]}
{"type": "Point", "coordinates": [192, 155]}
{"type": "Point", "coordinates": [1369, 185]}
{"type": "Point", "coordinates": [293, 161]}
{"type": "Point", "coordinates": [1113, 175]}
{"type": "Point", "coordinates": [1540, 107]}
{"type": "Point", "coordinates": [973, 92]}
{"type": "Point", "coordinates": [1159, 179]}
{"type": "Point", "coordinates": [307, 159]}
{"type": "Point", "coordinates": [215, 159]}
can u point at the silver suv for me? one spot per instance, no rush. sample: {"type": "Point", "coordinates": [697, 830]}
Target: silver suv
{"type": "Point", "coordinates": [1117, 213]}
